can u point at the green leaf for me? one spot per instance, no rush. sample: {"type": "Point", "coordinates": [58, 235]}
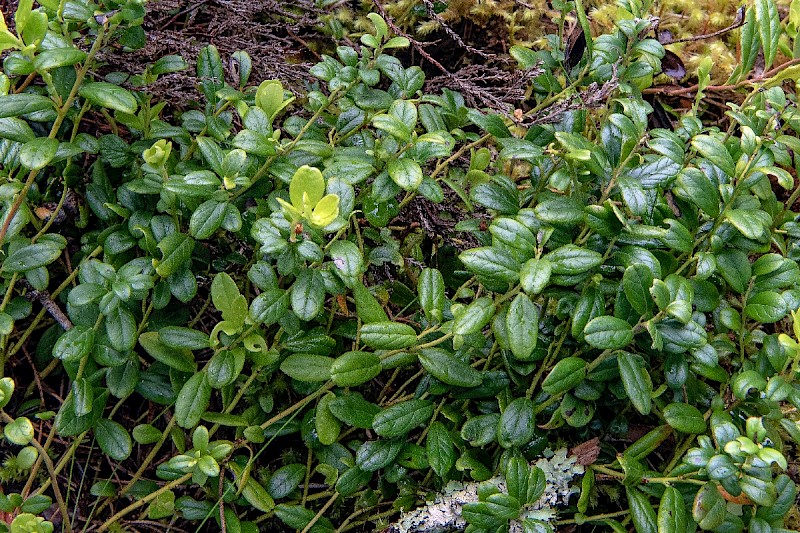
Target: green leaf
{"type": "Point", "coordinates": [399, 419]}
{"type": "Point", "coordinates": [183, 338]}
{"type": "Point", "coordinates": [522, 326]}
{"type": "Point", "coordinates": [535, 275]}
{"type": "Point", "coordinates": [642, 513]}
{"type": "Point", "coordinates": [354, 368]}
{"type": "Point", "coordinates": [608, 333]}
{"type": "Point", "coordinates": [406, 173]}
{"type": "Point", "coordinates": [388, 335]}
{"type": "Point", "coordinates": [354, 410]}
{"type": "Point", "coordinates": [308, 294]}
{"type": "Point", "coordinates": [257, 496]}
{"type": "Point", "coordinates": [566, 374]}
{"type": "Point", "coordinates": [146, 434]}
{"type": "Point", "coordinates": [636, 380]}
{"type": "Point", "coordinates": [571, 260]}
{"type": "Point", "coordinates": [307, 367]}
{"type": "Point", "coordinates": [327, 425]}
{"type": "Point", "coordinates": [440, 449]}
{"type": "Point", "coordinates": [694, 186]}
{"type": "Point", "coordinates": [121, 329]}
{"type": "Point", "coordinates": [709, 507]}
{"type": "Point", "coordinates": [15, 105]}
{"type": "Point", "coordinates": [225, 366]}
{"type": "Point", "coordinates": [684, 417]}
{"type": "Point", "coordinates": [207, 219]}
{"type": "Point", "coordinates": [179, 359]}
{"type": "Point", "coordinates": [74, 344]}
{"type": "Point", "coordinates": [113, 439]}
{"type": "Point", "coordinates": [37, 153]}
{"type": "Point", "coordinates": [492, 263]}
{"type": "Point", "coordinates": [752, 224]}
{"type": "Point", "coordinates": [766, 307]}
{"type": "Point", "coordinates": [31, 256]}
{"type": "Point", "coordinates": [110, 96]}
{"type": "Point", "coordinates": [16, 129]}
{"type": "Point", "coordinates": [57, 57]}
{"type": "Point", "coordinates": [560, 210]}
{"type": "Point", "coordinates": [769, 29]}
{"type": "Point", "coordinates": [636, 281]}
{"type": "Point", "coordinates": [285, 480]}
{"type": "Point", "coordinates": [735, 268]}
{"type": "Point", "coordinates": [176, 250]}
{"type": "Point", "coordinates": [269, 306]}
{"type": "Point", "coordinates": [712, 149]}
{"type": "Point", "coordinates": [19, 432]}
{"type": "Point", "coordinates": [376, 454]}
{"type": "Point", "coordinates": [348, 261]}
{"type": "Point", "coordinates": [430, 289]}
{"type": "Point", "coordinates": [448, 369]}
{"type": "Point", "coordinates": [517, 423]}
{"type": "Point", "coordinates": [168, 64]}
{"type": "Point", "coordinates": [193, 400]}
{"type": "Point", "coordinates": [368, 308]}
{"type": "Point", "coordinates": [474, 317]}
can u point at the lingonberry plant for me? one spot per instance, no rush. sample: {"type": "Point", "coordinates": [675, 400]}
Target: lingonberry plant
{"type": "Point", "coordinates": [312, 312]}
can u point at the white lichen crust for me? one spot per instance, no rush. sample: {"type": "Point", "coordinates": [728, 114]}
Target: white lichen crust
{"type": "Point", "coordinates": [443, 515]}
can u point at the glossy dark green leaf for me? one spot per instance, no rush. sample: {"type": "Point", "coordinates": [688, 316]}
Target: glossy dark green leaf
{"type": "Point", "coordinates": [74, 344]}
{"type": "Point", "coordinates": [327, 425]}
{"type": "Point", "coordinates": [535, 275]}
{"type": "Point", "coordinates": [571, 260]}
{"type": "Point", "coordinates": [113, 439]}
{"type": "Point", "coordinates": [354, 368]}
{"type": "Point", "coordinates": [377, 454]}
{"type": "Point", "coordinates": [712, 149]}
{"type": "Point", "coordinates": [388, 335]}
{"type": "Point", "coordinates": [399, 419]}
{"type": "Point", "coordinates": [769, 29]}
{"type": "Point", "coordinates": [708, 509]}
{"type": "Point", "coordinates": [636, 282]}
{"type": "Point", "coordinates": [183, 338]}
{"type": "Point", "coordinates": [193, 400]}
{"type": "Point", "coordinates": [642, 513]}
{"type": "Point", "coordinates": [308, 294]}
{"type": "Point", "coordinates": [110, 96]}
{"type": "Point", "coordinates": [37, 153]}
{"type": "Point", "coordinates": [14, 105]}
{"type": "Point", "coordinates": [285, 479]}
{"type": "Point", "coordinates": [179, 359]}
{"type": "Point", "coordinates": [354, 410]}
{"type": "Point", "coordinates": [566, 374]}
{"type": "Point", "coordinates": [735, 268]}
{"type": "Point", "coordinates": [440, 449]}
{"type": "Point", "coordinates": [448, 369]}
{"type": "Point", "coordinates": [685, 418]}
{"type": "Point", "coordinates": [636, 380]}
{"type": "Point", "coordinates": [307, 367]}
{"type": "Point", "coordinates": [430, 287]}
{"type": "Point", "coordinates": [30, 256]}
{"type": "Point", "coordinates": [474, 317]}
{"type": "Point", "coordinates": [766, 307]}
{"type": "Point", "coordinates": [491, 262]}
{"type": "Point", "coordinates": [368, 307]}
{"type": "Point", "coordinates": [607, 332]}
{"type": "Point", "coordinates": [225, 366]}
{"type": "Point", "coordinates": [522, 326]}
{"type": "Point", "coordinates": [516, 423]}
{"type": "Point", "coordinates": [176, 250]}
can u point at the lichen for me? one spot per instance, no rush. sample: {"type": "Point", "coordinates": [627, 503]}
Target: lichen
{"type": "Point", "coordinates": [444, 513]}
